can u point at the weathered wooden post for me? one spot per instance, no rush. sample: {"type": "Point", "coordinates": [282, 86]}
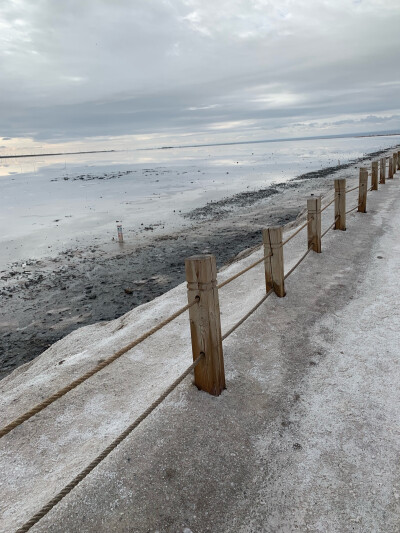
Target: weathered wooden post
{"type": "Point", "coordinates": [374, 176]}
{"type": "Point", "coordinates": [362, 190]}
{"type": "Point", "coordinates": [398, 160]}
{"type": "Point", "coordinates": [340, 204]}
{"type": "Point", "coordinates": [394, 162]}
{"type": "Point", "coordinates": [383, 170]}
{"type": "Point", "coordinates": [390, 173]}
{"type": "Point", "coordinates": [205, 323]}
{"type": "Point", "coordinates": [120, 234]}
{"type": "Point", "coordinates": [274, 270]}
{"type": "Point", "coordinates": [314, 223]}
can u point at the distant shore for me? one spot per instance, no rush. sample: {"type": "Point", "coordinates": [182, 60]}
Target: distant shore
{"type": "Point", "coordinates": [56, 153]}
{"type": "Point", "coordinates": [287, 139]}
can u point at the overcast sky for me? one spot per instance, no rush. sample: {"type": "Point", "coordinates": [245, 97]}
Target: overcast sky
{"type": "Point", "coordinates": [198, 70]}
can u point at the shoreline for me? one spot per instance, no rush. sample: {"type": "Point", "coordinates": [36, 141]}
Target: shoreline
{"type": "Point", "coordinates": [57, 153]}
{"type": "Point", "coordinates": [287, 139]}
{"type": "Point", "coordinates": [44, 300]}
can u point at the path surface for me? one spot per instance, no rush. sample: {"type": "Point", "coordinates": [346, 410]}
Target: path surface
{"type": "Point", "coordinates": [305, 438]}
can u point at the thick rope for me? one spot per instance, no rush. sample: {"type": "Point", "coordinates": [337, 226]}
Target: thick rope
{"type": "Point", "coordinates": [68, 488]}
{"type": "Point", "coordinates": [48, 401]}
{"type": "Point", "coordinates": [353, 189]}
{"type": "Point", "coordinates": [330, 203]}
{"type": "Point", "coordinates": [298, 263]}
{"type": "Point", "coordinates": [243, 271]}
{"type": "Point", "coordinates": [246, 316]}
{"type": "Point", "coordinates": [296, 232]}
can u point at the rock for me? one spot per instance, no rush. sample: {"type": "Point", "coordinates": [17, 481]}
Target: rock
{"type": "Point", "coordinates": [128, 291]}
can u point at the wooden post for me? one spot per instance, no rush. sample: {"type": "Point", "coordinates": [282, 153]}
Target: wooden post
{"type": "Point", "coordinates": [383, 170]}
{"type": "Point", "coordinates": [120, 234]}
{"type": "Point", "coordinates": [374, 176]}
{"type": "Point", "coordinates": [394, 162]}
{"type": "Point", "coordinates": [398, 160]}
{"type": "Point", "coordinates": [390, 173]}
{"type": "Point", "coordinates": [205, 323]}
{"type": "Point", "coordinates": [362, 190]}
{"type": "Point", "coordinates": [274, 271]}
{"type": "Point", "coordinates": [314, 223]}
{"type": "Point", "coordinates": [340, 204]}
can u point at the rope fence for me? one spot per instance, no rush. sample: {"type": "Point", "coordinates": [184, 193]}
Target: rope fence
{"type": "Point", "coordinates": [204, 315]}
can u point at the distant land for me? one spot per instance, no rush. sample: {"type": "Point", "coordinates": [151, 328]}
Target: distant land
{"type": "Point", "coordinates": [59, 153]}
{"type": "Point", "coordinates": [233, 143]}
{"type": "Point", "coordinates": [287, 139]}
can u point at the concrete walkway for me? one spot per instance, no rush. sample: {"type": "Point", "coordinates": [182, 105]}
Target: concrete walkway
{"type": "Point", "coordinates": [305, 438]}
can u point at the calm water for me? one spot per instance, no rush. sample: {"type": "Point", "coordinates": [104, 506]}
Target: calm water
{"type": "Point", "coordinates": [45, 206]}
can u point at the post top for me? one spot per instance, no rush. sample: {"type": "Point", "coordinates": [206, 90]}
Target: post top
{"type": "Point", "coordinates": [340, 183]}
{"type": "Point", "coordinates": [273, 228]}
{"type": "Point", "coordinates": [200, 257]}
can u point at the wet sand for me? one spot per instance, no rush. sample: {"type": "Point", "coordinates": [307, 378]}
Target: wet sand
{"type": "Point", "coordinates": [44, 300]}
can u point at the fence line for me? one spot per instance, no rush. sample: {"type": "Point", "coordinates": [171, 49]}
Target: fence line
{"type": "Point", "coordinates": [204, 314]}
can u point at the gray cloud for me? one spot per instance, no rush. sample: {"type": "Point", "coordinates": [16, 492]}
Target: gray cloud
{"type": "Point", "coordinates": [73, 69]}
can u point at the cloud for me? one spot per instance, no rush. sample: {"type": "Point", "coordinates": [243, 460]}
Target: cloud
{"type": "Point", "coordinates": [78, 69]}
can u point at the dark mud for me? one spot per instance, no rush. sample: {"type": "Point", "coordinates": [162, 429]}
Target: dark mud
{"type": "Point", "coordinates": [112, 175]}
{"type": "Point", "coordinates": [93, 177]}
{"type": "Point", "coordinates": [330, 170]}
{"type": "Point", "coordinates": [222, 208]}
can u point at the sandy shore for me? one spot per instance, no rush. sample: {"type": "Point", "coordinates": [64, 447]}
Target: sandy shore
{"type": "Point", "coordinates": [44, 300]}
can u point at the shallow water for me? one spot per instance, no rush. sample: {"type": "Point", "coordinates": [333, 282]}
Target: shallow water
{"type": "Point", "coordinates": [52, 203]}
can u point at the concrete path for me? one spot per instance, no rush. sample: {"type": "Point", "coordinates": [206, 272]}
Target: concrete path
{"type": "Point", "coordinates": [305, 438]}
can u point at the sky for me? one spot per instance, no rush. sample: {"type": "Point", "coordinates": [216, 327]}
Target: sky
{"type": "Point", "coordinates": [92, 73]}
